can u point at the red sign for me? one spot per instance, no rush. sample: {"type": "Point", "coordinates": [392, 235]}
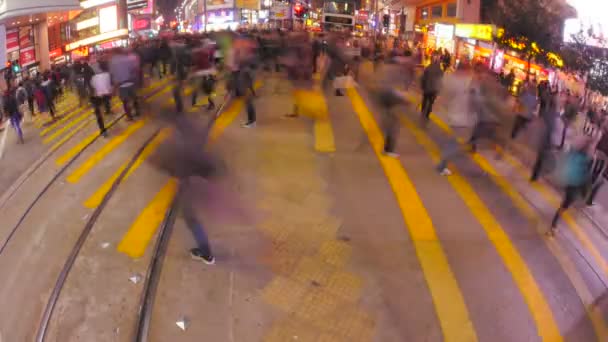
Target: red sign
{"type": "Point", "coordinates": [26, 37]}
{"type": "Point", "coordinates": [80, 52]}
{"type": "Point", "coordinates": [27, 56]}
{"type": "Point", "coordinates": [55, 53]}
{"type": "Point", "coordinates": [12, 40]}
{"type": "Point", "coordinates": [140, 24]}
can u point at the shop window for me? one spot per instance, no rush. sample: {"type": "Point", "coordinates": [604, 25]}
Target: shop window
{"type": "Point", "coordinates": [451, 10]}
{"type": "Point", "coordinates": [424, 13]}
{"type": "Point", "coordinates": [437, 11]}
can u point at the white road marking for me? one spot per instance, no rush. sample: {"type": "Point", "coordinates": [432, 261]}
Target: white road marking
{"type": "Point", "coordinates": [3, 140]}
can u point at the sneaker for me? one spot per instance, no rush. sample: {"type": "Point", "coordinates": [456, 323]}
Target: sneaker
{"type": "Point", "coordinates": [391, 154]}
{"type": "Point", "coordinates": [104, 134]}
{"type": "Point", "coordinates": [249, 125]}
{"type": "Point", "coordinates": [445, 172]}
{"type": "Point", "coordinates": [196, 254]}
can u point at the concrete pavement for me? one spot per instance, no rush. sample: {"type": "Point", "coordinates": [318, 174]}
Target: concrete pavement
{"type": "Point", "coordinates": [311, 244]}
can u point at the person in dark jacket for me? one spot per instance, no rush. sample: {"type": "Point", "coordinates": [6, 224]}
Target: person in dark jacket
{"type": "Point", "coordinates": [11, 108]}
{"type": "Point", "coordinates": [183, 157]}
{"type": "Point", "coordinates": [430, 83]}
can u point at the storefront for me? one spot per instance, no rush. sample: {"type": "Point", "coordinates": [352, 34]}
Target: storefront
{"type": "Point", "coordinates": [221, 20]}
{"type": "Point", "coordinates": [440, 36]}
{"type": "Point", "coordinates": [474, 43]}
{"type": "Point", "coordinates": [93, 30]}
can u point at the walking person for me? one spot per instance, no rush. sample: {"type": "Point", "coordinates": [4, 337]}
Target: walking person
{"type": "Point", "coordinates": [574, 174]}
{"type": "Point", "coordinates": [183, 157]}
{"type": "Point", "coordinates": [21, 95]}
{"type": "Point", "coordinates": [204, 72]}
{"type": "Point", "coordinates": [124, 71]}
{"type": "Point", "coordinates": [430, 83]}
{"type": "Point", "coordinates": [549, 115]}
{"type": "Point", "coordinates": [102, 93]}
{"type": "Point", "coordinates": [11, 108]}
{"type": "Point", "coordinates": [47, 87]}
{"type": "Point", "coordinates": [30, 87]}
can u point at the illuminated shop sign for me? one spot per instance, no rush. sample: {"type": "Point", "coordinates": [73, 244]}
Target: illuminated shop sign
{"type": "Point", "coordinates": [81, 25]}
{"type": "Point", "coordinates": [444, 31]}
{"type": "Point", "coordinates": [97, 38]}
{"type": "Point", "coordinates": [108, 19]}
{"type": "Point", "coordinates": [475, 31]}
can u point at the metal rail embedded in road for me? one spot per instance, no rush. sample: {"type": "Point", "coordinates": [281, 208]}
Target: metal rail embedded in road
{"type": "Point", "coordinates": [50, 306]}
{"type": "Point", "coordinates": [50, 183]}
{"type": "Point", "coordinates": [154, 270]}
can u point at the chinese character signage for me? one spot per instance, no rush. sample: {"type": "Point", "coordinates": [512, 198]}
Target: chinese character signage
{"type": "Point", "coordinates": [12, 40]}
{"type": "Point", "coordinates": [475, 31]}
{"type": "Point", "coordinates": [27, 56]}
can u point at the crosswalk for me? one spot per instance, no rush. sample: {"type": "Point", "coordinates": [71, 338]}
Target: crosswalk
{"type": "Point", "coordinates": [451, 303]}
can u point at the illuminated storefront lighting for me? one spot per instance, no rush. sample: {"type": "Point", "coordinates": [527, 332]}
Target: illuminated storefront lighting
{"type": "Point", "coordinates": [97, 38]}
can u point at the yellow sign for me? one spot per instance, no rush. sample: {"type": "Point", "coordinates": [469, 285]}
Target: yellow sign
{"type": "Point", "coordinates": [475, 31]}
{"type": "Point", "coordinates": [248, 4]}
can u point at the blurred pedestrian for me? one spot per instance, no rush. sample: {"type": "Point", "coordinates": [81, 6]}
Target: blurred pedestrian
{"type": "Point", "coordinates": [102, 93]}
{"type": "Point", "coordinates": [430, 84]}
{"type": "Point", "coordinates": [124, 70]}
{"type": "Point", "coordinates": [204, 72]}
{"type": "Point", "coordinates": [11, 108]}
{"type": "Point", "coordinates": [573, 174]}
{"type": "Point", "coordinates": [183, 157]}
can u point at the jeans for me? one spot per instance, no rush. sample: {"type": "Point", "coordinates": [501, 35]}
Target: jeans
{"type": "Point", "coordinates": [97, 103]}
{"type": "Point", "coordinates": [194, 224]}
{"type": "Point", "coordinates": [16, 123]}
{"type": "Point", "coordinates": [128, 94]}
{"type": "Point", "coordinates": [427, 103]}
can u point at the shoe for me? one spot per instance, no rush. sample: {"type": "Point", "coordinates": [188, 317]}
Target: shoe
{"type": "Point", "coordinates": [197, 254]}
{"type": "Point", "coordinates": [104, 134]}
{"type": "Point", "coordinates": [249, 125]}
{"type": "Point", "coordinates": [391, 154]}
{"type": "Point", "coordinates": [211, 107]}
{"type": "Point", "coordinates": [445, 172]}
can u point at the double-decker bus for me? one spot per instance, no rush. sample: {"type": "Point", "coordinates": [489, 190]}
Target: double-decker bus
{"type": "Point", "coordinates": [338, 15]}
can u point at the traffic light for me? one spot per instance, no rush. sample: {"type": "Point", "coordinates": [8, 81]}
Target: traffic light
{"type": "Point", "coordinates": [16, 67]}
{"type": "Point", "coordinates": [299, 10]}
{"type": "Point", "coordinates": [386, 20]}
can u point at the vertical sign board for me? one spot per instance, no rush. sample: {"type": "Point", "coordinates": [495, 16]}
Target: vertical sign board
{"type": "Point", "coordinates": [12, 40]}
{"type": "Point", "coordinates": [27, 56]}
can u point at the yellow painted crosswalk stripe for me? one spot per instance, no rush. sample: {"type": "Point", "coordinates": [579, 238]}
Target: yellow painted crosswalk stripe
{"type": "Point", "coordinates": [137, 238]}
{"type": "Point", "coordinates": [567, 265]}
{"type": "Point", "coordinates": [93, 160]}
{"type": "Point", "coordinates": [66, 137]}
{"type": "Point", "coordinates": [97, 197]}
{"type": "Point", "coordinates": [78, 147]}
{"type": "Point", "coordinates": [447, 297]}
{"type": "Point", "coordinates": [547, 327]}
{"type": "Point", "coordinates": [50, 138]}
{"type": "Point", "coordinates": [576, 279]}
{"type": "Point", "coordinates": [62, 120]}
{"type": "Point", "coordinates": [89, 111]}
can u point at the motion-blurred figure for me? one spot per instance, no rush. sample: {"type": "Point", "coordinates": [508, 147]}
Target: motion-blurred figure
{"type": "Point", "coordinates": [124, 69]}
{"type": "Point", "coordinates": [431, 84]}
{"type": "Point", "coordinates": [184, 157]}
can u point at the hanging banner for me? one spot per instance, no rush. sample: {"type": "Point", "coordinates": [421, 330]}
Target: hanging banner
{"type": "Point", "coordinates": [27, 56]}
{"type": "Point", "coordinates": [136, 4]}
{"type": "Point", "coordinates": [12, 40]}
{"type": "Point", "coordinates": [26, 37]}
